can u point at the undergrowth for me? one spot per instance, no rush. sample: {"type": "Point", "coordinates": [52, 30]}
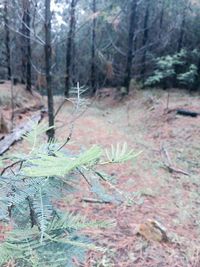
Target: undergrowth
{"type": "Point", "coordinates": [40, 234]}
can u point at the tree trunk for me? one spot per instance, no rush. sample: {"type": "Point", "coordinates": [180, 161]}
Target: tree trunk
{"type": "Point", "coordinates": [48, 61]}
{"type": "Point", "coordinates": [182, 31]}
{"type": "Point", "coordinates": [7, 40]}
{"type": "Point", "coordinates": [145, 40]}
{"type": "Point", "coordinates": [93, 51]}
{"type": "Point", "coordinates": [132, 28]}
{"type": "Point", "coordinates": [161, 19]}
{"type": "Point", "coordinates": [26, 45]}
{"type": "Point", "coordinates": [23, 44]}
{"type": "Point", "coordinates": [28, 64]}
{"type": "Point", "coordinates": [70, 43]}
{"type": "Point", "coordinates": [197, 79]}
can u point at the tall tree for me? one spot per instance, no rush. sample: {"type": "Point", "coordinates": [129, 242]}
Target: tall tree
{"type": "Point", "coordinates": [161, 18]}
{"type": "Point", "coordinates": [145, 39]}
{"type": "Point", "coordinates": [129, 56]}
{"type": "Point", "coordinates": [93, 50]}
{"type": "Point", "coordinates": [28, 66]}
{"type": "Point", "coordinates": [48, 62]}
{"type": "Point", "coordinates": [23, 43]}
{"type": "Point", "coordinates": [7, 40]}
{"type": "Point", "coordinates": [182, 31]}
{"type": "Point", "coordinates": [70, 45]}
{"type": "Point", "coordinates": [26, 45]}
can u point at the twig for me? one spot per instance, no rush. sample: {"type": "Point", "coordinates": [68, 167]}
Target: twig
{"type": "Point", "coordinates": [83, 175]}
{"type": "Point", "coordinates": [111, 185]}
{"type": "Point", "coordinates": [73, 119]}
{"type": "Point", "coordinates": [168, 100]}
{"type": "Point", "coordinates": [168, 163]}
{"type": "Point", "coordinates": [93, 200]}
{"type": "Point", "coordinates": [59, 108]}
{"type": "Point", "coordinates": [12, 104]}
{"type": "Point", "coordinates": [166, 154]}
{"type": "Point", "coordinates": [172, 169]}
{"type": "Point", "coordinates": [12, 165]}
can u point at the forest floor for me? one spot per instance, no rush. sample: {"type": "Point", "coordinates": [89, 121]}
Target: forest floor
{"type": "Point", "coordinates": [162, 184]}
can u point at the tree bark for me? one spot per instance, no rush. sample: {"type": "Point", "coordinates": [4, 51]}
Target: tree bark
{"type": "Point", "coordinates": [93, 51]}
{"type": "Point", "coordinates": [23, 44]}
{"type": "Point", "coordinates": [26, 45]}
{"type": "Point", "coordinates": [48, 61]}
{"type": "Point", "coordinates": [7, 40]}
{"type": "Point", "coordinates": [28, 66]}
{"type": "Point", "coordinates": [145, 40]}
{"type": "Point", "coordinates": [161, 19]}
{"type": "Point", "coordinates": [70, 43]}
{"type": "Point", "coordinates": [132, 28]}
{"type": "Point", "coordinates": [182, 31]}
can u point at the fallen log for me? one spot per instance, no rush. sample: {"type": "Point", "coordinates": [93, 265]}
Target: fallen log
{"type": "Point", "coordinates": [189, 113]}
{"type": "Point", "coordinates": [34, 108]}
{"type": "Point", "coordinates": [18, 132]}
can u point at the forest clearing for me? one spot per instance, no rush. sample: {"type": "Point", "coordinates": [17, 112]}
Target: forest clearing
{"type": "Point", "coordinates": [150, 189]}
{"type": "Point", "coordinates": [99, 133]}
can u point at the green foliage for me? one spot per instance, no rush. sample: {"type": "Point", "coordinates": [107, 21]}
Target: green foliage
{"type": "Point", "coordinates": [119, 154]}
{"type": "Point", "coordinates": [25, 247]}
{"type": "Point", "coordinates": [33, 137]}
{"type": "Point", "coordinates": [59, 164]}
{"type": "Point", "coordinates": [189, 77]}
{"type": "Point", "coordinates": [54, 233]}
{"type": "Point", "coordinates": [29, 192]}
{"type": "Point", "coordinates": [174, 70]}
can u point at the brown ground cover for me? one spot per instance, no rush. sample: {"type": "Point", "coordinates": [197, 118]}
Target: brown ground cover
{"type": "Point", "coordinates": [154, 191]}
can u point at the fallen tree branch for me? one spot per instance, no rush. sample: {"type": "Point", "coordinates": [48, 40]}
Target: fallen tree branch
{"type": "Point", "coordinates": [93, 200]}
{"type": "Point", "coordinates": [168, 163]}
{"type": "Point", "coordinates": [20, 111]}
{"type": "Point", "coordinates": [172, 169]}
{"type": "Point", "coordinates": [18, 132]}
{"type": "Point", "coordinates": [187, 113]}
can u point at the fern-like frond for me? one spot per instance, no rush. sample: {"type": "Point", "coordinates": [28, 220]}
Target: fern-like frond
{"type": "Point", "coordinates": [33, 137]}
{"type": "Point", "coordinates": [58, 248]}
{"type": "Point", "coordinates": [60, 164]}
{"type": "Point", "coordinates": [119, 154]}
{"type": "Point", "coordinates": [43, 210]}
{"type": "Point", "coordinates": [71, 221]}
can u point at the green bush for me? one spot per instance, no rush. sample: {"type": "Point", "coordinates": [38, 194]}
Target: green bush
{"type": "Point", "coordinates": [175, 70]}
{"type": "Point", "coordinates": [188, 78]}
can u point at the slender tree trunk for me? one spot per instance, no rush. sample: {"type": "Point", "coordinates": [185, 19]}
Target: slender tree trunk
{"type": "Point", "coordinates": [132, 28]}
{"type": "Point", "coordinates": [26, 45]}
{"type": "Point", "coordinates": [161, 19]}
{"type": "Point", "coordinates": [180, 45]}
{"type": "Point", "coordinates": [28, 52]}
{"type": "Point", "coordinates": [197, 79]}
{"type": "Point", "coordinates": [182, 31]}
{"type": "Point", "coordinates": [70, 43]}
{"type": "Point", "coordinates": [48, 61]}
{"type": "Point", "coordinates": [93, 51]}
{"type": "Point", "coordinates": [74, 68]}
{"type": "Point", "coordinates": [145, 40]}
{"type": "Point", "coordinates": [7, 40]}
{"type": "Point", "coordinates": [23, 44]}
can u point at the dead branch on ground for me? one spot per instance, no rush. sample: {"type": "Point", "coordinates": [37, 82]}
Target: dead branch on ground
{"type": "Point", "coordinates": [168, 163]}
{"type": "Point", "coordinates": [18, 132]}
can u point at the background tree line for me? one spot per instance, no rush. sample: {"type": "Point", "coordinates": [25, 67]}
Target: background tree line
{"type": "Point", "coordinates": [100, 43]}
